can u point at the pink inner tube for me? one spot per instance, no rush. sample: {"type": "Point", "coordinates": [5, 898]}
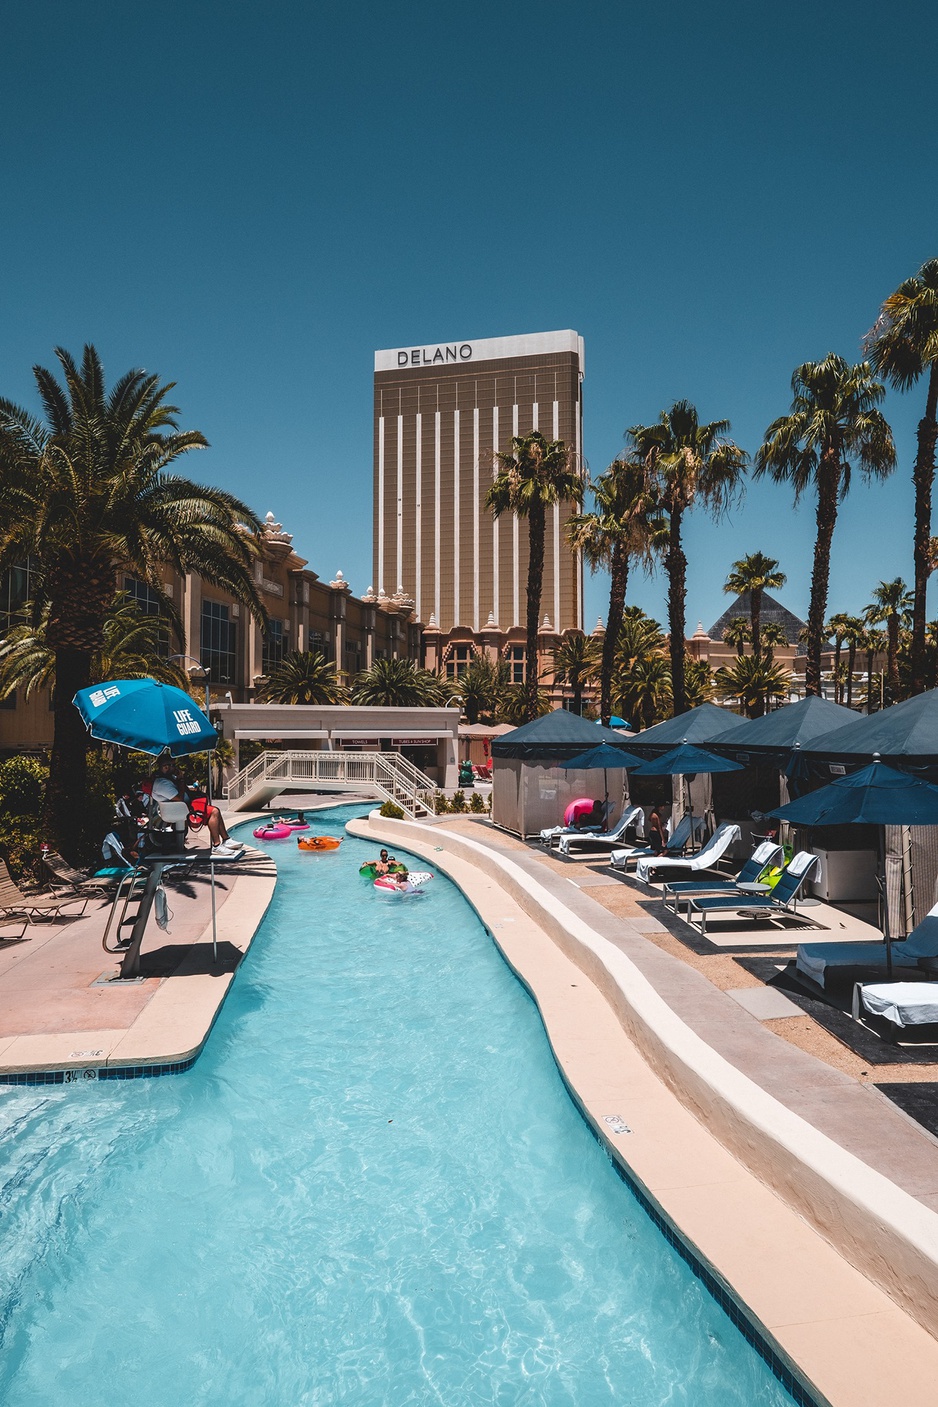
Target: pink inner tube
{"type": "Point", "coordinates": [296, 825]}
{"type": "Point", "coordinates": [272, 832]}
{"type": "Point", "coordinates": [581, 807]}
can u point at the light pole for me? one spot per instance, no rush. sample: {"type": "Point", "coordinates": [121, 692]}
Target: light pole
{"type": "Point", "coordinates": [188, 659]}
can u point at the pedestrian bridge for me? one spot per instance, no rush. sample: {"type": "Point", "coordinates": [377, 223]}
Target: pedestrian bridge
{"type": "Point", "coordinates": [387, 776]}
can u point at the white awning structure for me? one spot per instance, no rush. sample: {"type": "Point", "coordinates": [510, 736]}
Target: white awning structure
{"type": "Point", "coordinates": [281, 734]}
{"type": "Point", "coordinates": [391, 732]}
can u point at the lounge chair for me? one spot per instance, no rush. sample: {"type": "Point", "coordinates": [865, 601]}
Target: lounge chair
{"type": "Point", "coordinates": [551, 833]}
{"type": "Point", "coordinates": [764, 855]}
{"type": "Point", "coordinates": [621, 859]}
{"type": "Point", "coordinates": [705, 859]}
{"type": "Point", "coordinates": [15, 904]}
{"type": "Point", "coordinates": [817, 960]}
{"type": "Point", "coordinates": [570, 836]}
{"type": "Point", "coordinates": [65, 877]}
{"type": "Point", "coordinates": [899, 1004]}
{"type": "Point", "coordinates": [782, 900]}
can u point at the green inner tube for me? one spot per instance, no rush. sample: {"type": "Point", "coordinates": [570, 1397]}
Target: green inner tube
{"type": "Point", "coordinates": [369, 871]}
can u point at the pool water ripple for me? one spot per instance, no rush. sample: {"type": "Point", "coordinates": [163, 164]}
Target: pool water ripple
{"type": "Point", "coordinates": [372, 1189]}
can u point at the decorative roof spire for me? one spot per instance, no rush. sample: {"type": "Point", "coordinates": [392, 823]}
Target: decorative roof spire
{"type": "Point", "coordinates": [340, 584]}
{"type": "Point", "coordinates": [272, 531]}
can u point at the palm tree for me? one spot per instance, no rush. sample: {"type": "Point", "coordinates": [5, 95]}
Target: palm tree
{"type": "Point", "coordinates": [753, 680]}
{"type": "Point", "coordinates": [836, 627]}
{"type": "Point", "coordinates": [576, 663]}
{"type": "Point", "coordinates": [854, 630]}
{"type": "Point", "coordinates": [397, 683]}
{"type": "Point", "coordinates": [688, 462]}
{"type": "Point", "coordinates": [773, 638]}
{"type": "Point", "coordinates": [756, 574]}
{"type": "Point", "coordinates": [738, 634]}
{"type": "Point", "coordinates": [132, 648]}
{"type": "Point", "coordinates": [479, 687]}
{"type": "Point", "coordinates": [903, 346]}
{"type": "Point", "coordinates": [622, 528]}
{"type": "Point", "coordinates": [642, 694]}
{"type": "Point", "coordinates": [891, 606]}
{"type": "Point", "coordinates": [87, 493]}
{"type": "Point", "coordinates": [303, 677]}
{"type": "Point", "coordinates": [874, 643]}
{"type": "Point", "coordinates": [698, 681]}
{"type": "Point", "coordinates": [530, 478]}
{"type": "Point", "coordinates": [833, 426]}
{"type": "Point", "coordinates": [514, 703]}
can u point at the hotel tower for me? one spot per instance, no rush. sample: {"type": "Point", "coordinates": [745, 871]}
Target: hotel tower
{"type": "Point", "coordinates": [440, 413]}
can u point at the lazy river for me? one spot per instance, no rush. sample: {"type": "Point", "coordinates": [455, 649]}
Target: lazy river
{"type": "Point", "coordinates": [372, 1189]}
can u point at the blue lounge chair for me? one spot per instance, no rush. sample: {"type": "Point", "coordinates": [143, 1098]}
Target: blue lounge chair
{"type": "Point", "coordinates": [762, 858]}
{"type": "Point", "coordinates": [621, 859]}
{"type": "Point", "coordinates": [634, 816]}
{"type": "Point", "coordinates": [705, 859]}
{"type": "Point", "coordinates": [782, 900]}
{"type": "Point", "coordinates": [816, 960]}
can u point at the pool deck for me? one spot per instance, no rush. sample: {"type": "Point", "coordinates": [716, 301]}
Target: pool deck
{"type": "Point", "coordinates": [802, 1190]}
{"type": "Point", "coordinates": [64, 1011]}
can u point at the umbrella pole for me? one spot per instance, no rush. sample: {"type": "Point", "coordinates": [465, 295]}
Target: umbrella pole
{"type": "Point", "coordinates": [884, 890]}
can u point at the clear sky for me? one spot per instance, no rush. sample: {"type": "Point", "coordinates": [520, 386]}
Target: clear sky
{"type": "Point", "coordinates": [250, 199]}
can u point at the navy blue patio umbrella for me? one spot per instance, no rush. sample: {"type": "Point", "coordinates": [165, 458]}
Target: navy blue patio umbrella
{"type": "Point", "coordinates": [875, 795]}
{"type": "Point", "coordinates": [603, 756]}
{"type": "Point", "coordinates": [687, 761]}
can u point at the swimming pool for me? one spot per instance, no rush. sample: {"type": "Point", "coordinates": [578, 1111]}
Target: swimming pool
{"type": "Point", "coordinates": [372, 1189]}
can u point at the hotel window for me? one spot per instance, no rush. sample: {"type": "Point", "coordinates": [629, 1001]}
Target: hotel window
{"type": "Point", "coordinates": [219, 653]}
{"type": "Point", "coordinates": [148, 604]}
{"type": "Point", "coordinates": [275, 645]}
{"type": "Point", "coordinates": [514, 658]}
{"type": "Point", "coordinates": [320, 643]}
{"type": "Point", "coordinates": [353, 656]}
{"type": "Point", "coordinates": [459, 659]}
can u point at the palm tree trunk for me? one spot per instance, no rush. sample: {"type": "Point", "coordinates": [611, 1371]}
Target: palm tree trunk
{"type": "Point", "coordinates": [851, 661]}
{"type": "Point", "coordinates": [619, 580]}
{"type": "Point", "coordinates": [68, 769]}
{"type": "Point", "coordinates": [892, 666]}
{"type": "Point", "coordinates": [533, 619]}
{"type": "Point", "coordinates": [923, 478]}
{"type": "Point", "coordinates": [826, 518]}
{"type": "Point", "coordinates": [869, 680]}
{"type": "Point", "coordinates": [838, 646]}
{"type": "Point", "coordinates": [675, 564]}
{"type": "Point", "coordinates": [755, 620]}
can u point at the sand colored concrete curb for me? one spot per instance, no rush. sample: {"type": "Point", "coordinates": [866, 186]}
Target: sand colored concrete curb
{"type": "Point", "coordinates": [875, 1227]}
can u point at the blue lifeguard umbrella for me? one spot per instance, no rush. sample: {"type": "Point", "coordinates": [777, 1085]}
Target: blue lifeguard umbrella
{"type": "Point", "coordinates": [687, 761]}
{"type": "Point", "coordinates": [604, 756]}
{"type": "Point", "coordinates": [145, 715]}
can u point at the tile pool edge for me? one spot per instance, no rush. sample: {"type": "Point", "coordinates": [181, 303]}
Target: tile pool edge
{"type": "Point", "coordinates": [853, 1212]}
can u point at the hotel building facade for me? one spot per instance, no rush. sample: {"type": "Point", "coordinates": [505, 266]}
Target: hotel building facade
{"type": "Point", "coordinates": [440, 413]}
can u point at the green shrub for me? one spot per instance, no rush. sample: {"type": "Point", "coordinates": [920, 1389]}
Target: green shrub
{"type": "Point", "coordinates": [476, 804]}
{"type": "Point", "coordinates": [22, 786]}
{"type": "Point", "coordinates": [391, 812]}
{"type": "Point", "coordinates": [458, 802]}
{"type": "Point", "coordinates": [440, 804]}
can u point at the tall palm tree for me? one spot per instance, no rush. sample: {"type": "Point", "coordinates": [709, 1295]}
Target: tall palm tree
{"type": "Point", "coordinates": [756, 574]}
{"type": "Point", "coordinates": [773, 638]}
{"type": "Point", "coordinates": [891, 606]}
{"type": "Point", "coordinates": [642, 694]}
{"type": "Point", "coordinates": [531, 477]}
{"type": "Point", "coordinates": [689, 462]}
{"type": "Point", "coordinates": [832, 427]}
{"type": "Point", "coordinates": [738, 634]}
{"type": "Point", "coordinates": [132, 648]}
{"type": "Point", "coordinates": [576, 663]}
{"type": "Point", "coordinates": [753, 680]}
{"type": "Point", "coordinates": [87, 493]}
{"type": "Point", "coordinates": [698, 681]}
{"type": "Point", "coordinates": [623, 527]}
{"type": "Point", "coordinates": [854, 630]}
{"type": "Point", "coordinates": [874, 643]}
{"type": "Point", "coordinates": [836, 628]}
{"type": "Point", "coordinates": [303, 677]}
{"type": "Point", "coordinates": [479, 687]}
{"type": "Point", "coordinates": [903, 346]}
{"type": "Point", "coordinates": [397, 683]}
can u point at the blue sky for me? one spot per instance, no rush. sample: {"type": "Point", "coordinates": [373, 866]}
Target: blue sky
{"type": "Point", "coordinates": [250, 199]}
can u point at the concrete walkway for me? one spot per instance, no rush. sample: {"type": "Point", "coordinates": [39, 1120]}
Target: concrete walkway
{"type": "Point", "coordinates": [63, 1007]}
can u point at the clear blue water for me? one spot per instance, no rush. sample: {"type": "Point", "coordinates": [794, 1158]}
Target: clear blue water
{"type": "Point", "coordinates": [371, 1189]}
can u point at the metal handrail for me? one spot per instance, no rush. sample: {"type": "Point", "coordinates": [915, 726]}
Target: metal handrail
{"type": "Point", "coordinates": [393, 776]}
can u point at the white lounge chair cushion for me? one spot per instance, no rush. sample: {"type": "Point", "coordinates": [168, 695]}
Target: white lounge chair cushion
{"type": "Point", "coordinates": [595, 839]}
{"type": "Point", "coordinates": [902, 1003]}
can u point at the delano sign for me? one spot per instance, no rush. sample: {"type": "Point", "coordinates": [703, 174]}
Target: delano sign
{"type": "Point", "coordinates": [427, 356]}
